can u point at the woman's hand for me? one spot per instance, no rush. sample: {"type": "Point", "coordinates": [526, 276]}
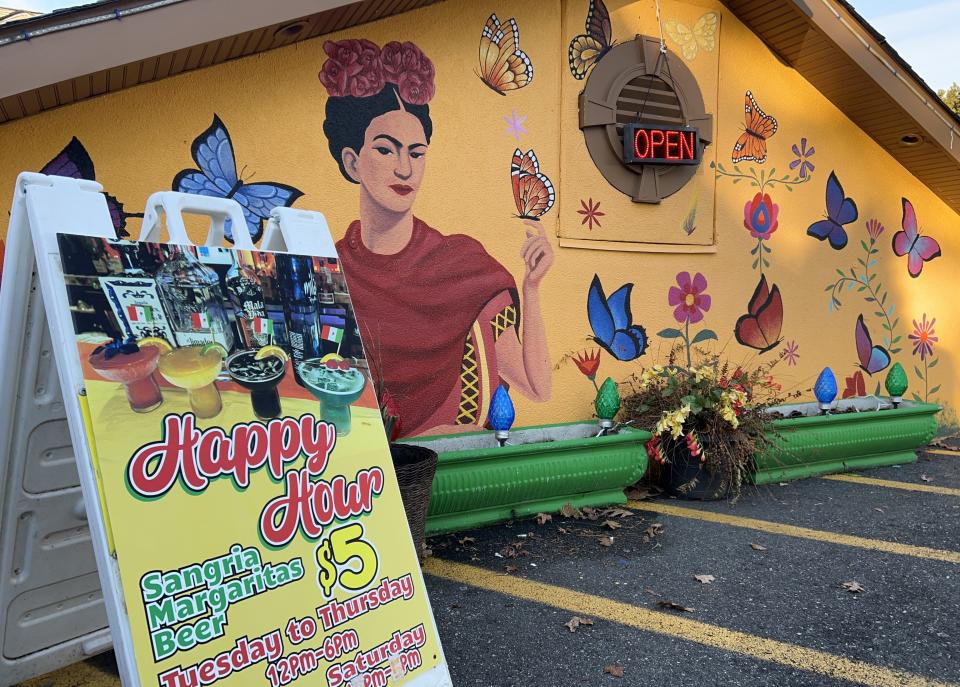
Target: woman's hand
{"type": "Point", "coordinates": [537, 254]}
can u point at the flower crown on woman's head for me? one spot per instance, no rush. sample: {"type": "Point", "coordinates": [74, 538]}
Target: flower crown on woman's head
{"type": "Point", "coordinates": [360, 68]}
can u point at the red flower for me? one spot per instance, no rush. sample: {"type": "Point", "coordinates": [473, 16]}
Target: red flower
{"type": "Point", "coordinates": [405, 65]}
{"type": "Point", "coordinates": [588, 362]}
{"type": "Point", "coordinates": [690, 300]}
{"type": "Point", "coordinates": [352, 68]}
{"type": "Point", "coordinates": [654, 451]}
{"type": "Point", "coordinates": [760, 216]}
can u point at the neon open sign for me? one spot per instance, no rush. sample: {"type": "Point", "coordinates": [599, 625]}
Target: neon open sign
{"type": "Point", "coordinates": [653, 144]}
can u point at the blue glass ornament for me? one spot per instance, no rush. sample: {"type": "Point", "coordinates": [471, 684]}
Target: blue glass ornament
{"type": "Point", "coordinates": [502, 413]}
{"type": "Point", "coordinates": [826, 388]}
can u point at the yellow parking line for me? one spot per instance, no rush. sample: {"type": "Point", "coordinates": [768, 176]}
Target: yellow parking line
{"type": "Point", "coordinates": [890, 484]}
{"type": "Point", "coordinates": [794, 531]}
{"type": "Point", "coordinates": [676, 626]}
{"type": "Point", "coordinates": [941, 452]}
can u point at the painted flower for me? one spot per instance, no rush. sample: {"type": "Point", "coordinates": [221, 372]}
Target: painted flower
{"type": "Point", "coordinates": [760, 216]}
{"type": "Point", "coordinates": [874, 228]}
{"type": "Point", "coordinates": [352, 68]}
{"type": "Point", "coordinates": [405, 65]}
{"type": "Point", "coordinates": [803, 158]}
{"type": "Point", "coordinates": [689, 298]}
{"type": "Point", "coordinates": [923, 337]}
{"type": "Point", "coordinates": [588, 362]}
{"type": "Point", "coordinates": [791, 352]}
{"type": "Point", "coordinates": [591, 213]}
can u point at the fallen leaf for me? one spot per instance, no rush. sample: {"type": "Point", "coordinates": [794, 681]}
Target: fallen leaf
{"type": "Point", "coordinates": [618, 513]}
{"type": "Point", "coordinates": [614, 669]}
{"type": "Point", "coordinates": [650, 591]}
{"type": "Point", "coordinates": [543, 518]}
{"type": "Point", "coordinates": [455, 605]}
{"type": "Point", "coordinates": [466, 540]}
{"type": "Point", "coordinates": [612, 524]}
{"type": "Point", "coordinates": [514, 550]}
{"type": "Point", "coordinates": [635, 494]}
{"type": "Point", "coordinates": [576, 622]}
{"type": "Point", "coordinates": [591, 513]}
{"type": "Point", "coordinates": [924, 477]}
{"type": "Point", "coordinates": [675, 606]}
{"type": "Point", "coordinates": [606, 541]}
{"type": "Point", "coordinates": [853, 587]}
{"type": "Point", "coordinates": [563, 530]}
{"type": "Point", "coordinates": [653, 531]}
{"type": "Point", "coordinates": [757, 547]}
{"type": "Point", "coordinates": [568, 511]}
{"type": "Point", "coordinates": [704, 579]}
{"type": "Point", "coordinates": [511, 569]}
{"type": "Point", "coordinates": [879, 510]}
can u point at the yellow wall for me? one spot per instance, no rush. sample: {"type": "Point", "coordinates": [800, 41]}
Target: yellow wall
{"type": "Point", "coordinates": [273, 106]}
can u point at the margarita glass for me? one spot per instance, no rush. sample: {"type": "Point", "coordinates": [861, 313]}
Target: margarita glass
{"type": "Point", "coordinates": [261, 377]}
{"type": "Point", "coordinates": [336, 385]}
{"type": "Point", "coordinates": [133, 367]}
{"type": "Point", "coordinates": [195, 368]}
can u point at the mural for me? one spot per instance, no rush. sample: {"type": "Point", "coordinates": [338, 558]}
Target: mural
{"type": "Point", "coordinates": [515, 125]}
{"type": "Point", "coordinates": [872, 358]}
{"type": "Point", "coordinates": [923, 341]}
{"type": "Point", "coordinates": [612, 322]}
{"type": "Point", "coordinates": [918, 249]}
{"type": "Point", "coordinates": [586, 49]}
{"type": "Point", "coordinates": [591, 213]}
{"type": "Point", "coordinates": [503, 65]}
{"type": "Point", "coordinates": [689, 301]}
{"type": "Point", "coordinates": [217, 177]}
{"type": "Point", "coordinates": [439, 315]}
{"type": "Point", "coordinates": [759, 126]}
{"type": "Point", "coordinates": [760, 327]}
{"type": "Point", "coordinates": [532, 191]}
{"type": "Point", "coordinates": [840, 211]}
{"type": "Point", "coordinates": [689, 41]}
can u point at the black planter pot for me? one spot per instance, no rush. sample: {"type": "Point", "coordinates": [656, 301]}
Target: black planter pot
{"type": "Point", "coordinates": [415, 467]}
{"type": "Point", "coordinates": [677, 476]}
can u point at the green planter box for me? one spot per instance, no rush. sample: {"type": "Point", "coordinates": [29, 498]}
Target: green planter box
{"type": "Point", "coordinates": [541, 469]}
{"type": "Point", "coordinates": [840, 442]}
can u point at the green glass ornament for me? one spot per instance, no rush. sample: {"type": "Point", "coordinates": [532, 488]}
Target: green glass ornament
{"type": "Point", "coordinates": [607, 403]}
{"type": "Point", "coordinates": [896, 383]}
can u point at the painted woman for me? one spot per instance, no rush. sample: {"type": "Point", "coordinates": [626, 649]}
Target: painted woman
{"type": "Point", "coordinates": [440, 317]}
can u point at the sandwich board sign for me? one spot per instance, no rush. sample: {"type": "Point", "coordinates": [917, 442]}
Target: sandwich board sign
{"type": "Point", "coordinates": [243, 509]}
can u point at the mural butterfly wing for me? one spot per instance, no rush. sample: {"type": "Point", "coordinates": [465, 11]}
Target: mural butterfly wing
{"type": "Point", "coordinates": [532, 191]}
{"type": "Point", "coordinates": [586, 49]}
{"type": "Point", "coordinates": [840, 211]}
{"type": "Point", "coordinates": [705, 31]}
{"type": "Point", "coordinates": [690, 41]}
{"type": "Point", "coordinates": [918, 249]}
{"type": "Point", "coordinates": [760, 327]}
{"type": "Point", "coordinates": [752, 144]}
{"type": "Point", "coordinates": [855, 386]}
{"type": "Point", "coordinates": [75, 162]}
{"type": "Point", "coordinates": [872, 358]}
{"type": "Point", "coordinates": [503, 65]}
{"type": "Point", "coordinates": [612, 322]}
{"type": "Point", "coordinates": [217, 177]}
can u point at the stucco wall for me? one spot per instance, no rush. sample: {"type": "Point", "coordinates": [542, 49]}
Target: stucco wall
{"type": "Point", "coordinates": [273, 106]}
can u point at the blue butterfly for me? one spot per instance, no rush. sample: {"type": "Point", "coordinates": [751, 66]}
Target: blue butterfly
{"type": "Point", "coordinates": [612, 322]}
{"type": "Point", "coordinates": [218, 178]}
{"type": "Point", "coordinates": [840, 211]}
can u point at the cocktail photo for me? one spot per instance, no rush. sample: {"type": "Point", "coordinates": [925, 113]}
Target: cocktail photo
{"type": "Point", "coordinates": [228, 335]}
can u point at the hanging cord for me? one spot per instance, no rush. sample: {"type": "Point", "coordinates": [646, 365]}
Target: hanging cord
{"type": "Point", "coordinates": [662, 56]}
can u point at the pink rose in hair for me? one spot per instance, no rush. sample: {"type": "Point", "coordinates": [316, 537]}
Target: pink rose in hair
{"type": "Point", "coordinates": [405, 65]}
{"type": "Point", "coordinates": [352, 68]}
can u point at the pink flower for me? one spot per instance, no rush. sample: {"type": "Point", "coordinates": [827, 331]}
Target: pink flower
{"type": "Point", "coordinates": [352, 68]}
{"type": "Point", "coordinates": [690, 300]}
{"type": "Point", "coordinates": [874, 228]}
{"type": "Point", "coordinates": [405, 65]}
{"type": "Point", "coordinates": [791, 353]}
{"type": "Point", "coordinates": [923, 337]}
{"type": "Point", "coordinates": [760, 216]}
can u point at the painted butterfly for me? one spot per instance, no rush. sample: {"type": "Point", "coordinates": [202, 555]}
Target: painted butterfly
{"type": "Point", "coordinates": [612, 322]}
{"type": "Point", "coordinates": [586, 49]}
{"type": "Point", "coordinates": [503, 65]}
{"type": "Point", "coordinates": [872, 358]}
{"type": "Point", "coordinates": [760, 327]}
{"type": "Point", "coordinates": [74, 161]}
{"type": "Point", "coordinates": [217, 177]}
{"type": "Point", "coordinates": [752, 144]}
{"type": "Point", "coordinates": [532, 191]}
{"type": "Point", "coordinates": [703, 35]}
{"type": "Point", "coordinates": [855, 386]}
{"type": "Point", "coordinates": [918, 249]}
{"type": "Point", "coordinates": [840, 210]}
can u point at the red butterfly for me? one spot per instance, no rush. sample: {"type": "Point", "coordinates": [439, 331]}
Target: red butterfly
{"type": "Point", "coordinates": [760, 327]}
{"type": "Point", "coordinates": [532, 191]}
{"type": "Point", "coordinates": [855, 386]}
{"type": "Point", "coordinates": [752, 144]}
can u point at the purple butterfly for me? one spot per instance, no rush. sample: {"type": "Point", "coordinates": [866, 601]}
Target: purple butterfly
{"type": "Point", "coordinates": [918, 249]}
{"type": "Point", "coordinates": [74, 162]}
{"type": "Point", "coordinates": [872, 358]}
{"type": "Point", "coordinates": [840, 210]}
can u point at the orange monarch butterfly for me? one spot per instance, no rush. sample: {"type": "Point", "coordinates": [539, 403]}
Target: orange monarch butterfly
{"type": "Point", "coordinates": [586, 49]}
{"type": "Point", "coordinates": [503, 65]}
{"type": "Point", "coordinates": [752, 144]}
{"type": "Point", "coordinates": [532, 191]}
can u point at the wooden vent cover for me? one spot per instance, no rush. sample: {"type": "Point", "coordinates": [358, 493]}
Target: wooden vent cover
{"type": "Point", "coordinates": [632, 82]}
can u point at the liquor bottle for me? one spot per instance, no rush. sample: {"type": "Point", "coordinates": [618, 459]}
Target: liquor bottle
{"type": "Point", "coordinates": [246, 295]}
{"type": "Point", "coordinates": [266, 267]}
{"type": "Point", "coordinates": [194, 300]}
{"type": "Point", "coordinates": [295, 275]}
